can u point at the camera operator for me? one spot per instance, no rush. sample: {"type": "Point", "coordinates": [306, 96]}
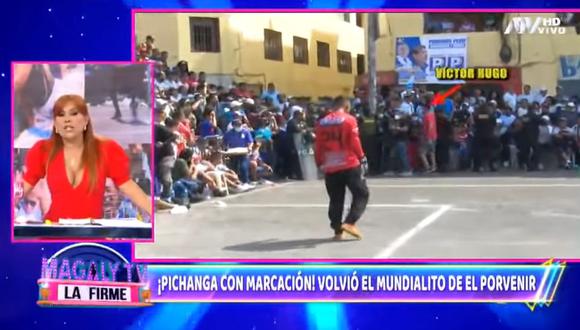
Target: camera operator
{"type": "Point", "coordinates": [527, 131]}
{"type": "Point", "coordinates": [400, 129]}
{"type": "Point", "coordinates": [485, 141]}
{"type": "Point", "coordinates": [461, 123]}
{"type": "Point", "coordinates": [383, 122]}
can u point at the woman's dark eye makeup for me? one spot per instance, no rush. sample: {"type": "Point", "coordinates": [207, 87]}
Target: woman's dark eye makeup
{"type": "Point", "coordinates": [70, 113]}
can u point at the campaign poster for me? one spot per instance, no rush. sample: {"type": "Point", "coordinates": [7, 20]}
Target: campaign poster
{"type": "Point", "coordinates": [418, 57]}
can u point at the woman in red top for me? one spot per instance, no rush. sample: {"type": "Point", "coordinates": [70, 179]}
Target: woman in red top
{"type": "Point", "coordinates": [76, 164]}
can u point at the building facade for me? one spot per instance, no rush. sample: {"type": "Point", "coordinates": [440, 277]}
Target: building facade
{"type": "Point", "coordinates": [305, 55]}
{"type": "Point", "coordinates": [535, 60]}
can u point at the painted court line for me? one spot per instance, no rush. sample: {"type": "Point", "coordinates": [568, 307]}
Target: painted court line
{"type": "Point", "coordinates": [297, 206]}
{"type": "Point", "coordinates": [522, 185]}
{"type": "Point", "coordinates": [401, 240]}
{"type": "Point", "coordinates": [556, 215]}
{"type": "Point", "coordinates": [234, 196]}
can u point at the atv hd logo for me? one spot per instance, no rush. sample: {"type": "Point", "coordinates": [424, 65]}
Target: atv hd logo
{"type": "Point", "coordinates": [539, 25]}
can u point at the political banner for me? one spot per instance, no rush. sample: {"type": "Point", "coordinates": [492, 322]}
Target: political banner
{"type": "Point", "coordinates": [570, 67]}
{"type": "Point", "coordinates": [418, 57]}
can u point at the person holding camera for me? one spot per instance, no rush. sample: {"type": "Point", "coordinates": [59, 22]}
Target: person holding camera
{"type": "Point", "coordinates": [485, 141]}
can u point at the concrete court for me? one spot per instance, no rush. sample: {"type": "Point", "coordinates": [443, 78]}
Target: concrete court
{"type": "Point", "coordinates": [462, 216]}
{"type": "Point", "coordinates": [123, 131]}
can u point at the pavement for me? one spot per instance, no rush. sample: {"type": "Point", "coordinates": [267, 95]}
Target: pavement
{"type": "Point", "coordinates": [505, 215]}
{"type": "Point", "coordinates": [125, 130]}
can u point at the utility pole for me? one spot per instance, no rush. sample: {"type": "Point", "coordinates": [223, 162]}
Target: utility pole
{"type": "Point", "coordinates": [372, 28]}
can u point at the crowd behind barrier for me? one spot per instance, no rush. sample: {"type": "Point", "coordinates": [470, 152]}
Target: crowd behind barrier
{"type": "Point", "coordinates": [214, 140]}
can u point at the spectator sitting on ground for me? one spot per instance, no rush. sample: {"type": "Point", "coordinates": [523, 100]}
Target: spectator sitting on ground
{"type": "Point", "coordinates": [186, 187]}
{"type": "Point", "coordinates": [183, 127]}
{"type": "Point", "coordinates": [239, 138]}
{"type": "Point", "coordinates": [258, 168]}
{"type": "Point", "coordinates": [165, 154]}
{"type": "Point", "coordinates": [205, 171]}
{"type": "Point", "coordinates": [234, 183]}
{"type": "Point", "coordinates": [208, 126]}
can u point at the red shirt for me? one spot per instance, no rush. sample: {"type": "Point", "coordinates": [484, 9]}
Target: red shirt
{"type": "Point", "coordinates": [430, 126]}
{"type": "Point", "coordinates": [79, 202]}
{"type": "Point", "coordinates": [184, 129]}
{"type": "Point", "coordinates": [144, 50]}
{"type": "Point", "coordinates": [337, 144]}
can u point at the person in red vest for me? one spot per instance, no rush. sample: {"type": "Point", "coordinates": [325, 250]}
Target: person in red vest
{"type": "Point", "coordinates": [339, 154]}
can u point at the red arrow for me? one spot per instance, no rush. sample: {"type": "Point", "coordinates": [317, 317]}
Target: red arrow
{"type": "Point", "coordinates": [439, 98]}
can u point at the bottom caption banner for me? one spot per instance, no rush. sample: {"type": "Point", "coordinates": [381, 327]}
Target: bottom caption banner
{"type": "Point", "coordinates": [531, 284]}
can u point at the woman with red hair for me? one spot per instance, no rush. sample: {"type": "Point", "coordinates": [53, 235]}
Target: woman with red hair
{"type": "Point", "coordinates": [76, 164]}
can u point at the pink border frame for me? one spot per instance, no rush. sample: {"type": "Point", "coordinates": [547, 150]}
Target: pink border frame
{"type": "Point", "coordinates": [64, 240]}
{"type": "Point", "coordinates": [336, 260]}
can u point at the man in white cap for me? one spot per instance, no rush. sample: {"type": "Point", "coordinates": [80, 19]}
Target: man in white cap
{"type": "Point", "coordinates": [542, 95]}
{"type": "Point", "coordinates": [407, 106]}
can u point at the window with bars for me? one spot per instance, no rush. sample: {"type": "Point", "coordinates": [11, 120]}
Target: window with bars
{"type": "Point", "coordinates": [360, 64]}
{"type": "Point", "coordinates": [273, 45]}
{"type": "Point", "coordinates": [323, 54]}
{"type": "Point", "coordinates": [204, 34]}
{"type": "Point", "coordinates": [344, 61]}
{"type": "Point", "coordinates": [346, 17]}
{"type": "Point", "coordinates": [464, 22]}
{"type": "Point", "coordinates": [300, 50]}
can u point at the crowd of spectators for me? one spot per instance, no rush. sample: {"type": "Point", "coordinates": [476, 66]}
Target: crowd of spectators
{"type": "Point", "coordinates": [214, 140]}
{"type": "Point", "coordinates": [473, 129]}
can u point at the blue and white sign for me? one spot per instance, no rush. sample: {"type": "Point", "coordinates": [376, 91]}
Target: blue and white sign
{"type": "Point", "coordinates": [417, 57]}
{"type": "Point", "coordinates": [570, 67]}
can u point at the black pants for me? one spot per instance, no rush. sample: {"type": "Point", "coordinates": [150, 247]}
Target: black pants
{"type": "Point", "coordinates": [506, 140]}
{"type": "Point", "coordinates": [528, 154]}
{"type": "Point", "coordinates": [336, 184]}
{"type": "Point", "coordinates": [484, 151]}
{"type": "Point", "coordinates": [442, 154]}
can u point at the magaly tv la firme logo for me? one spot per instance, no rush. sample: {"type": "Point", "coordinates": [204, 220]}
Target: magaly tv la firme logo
{"type": "Point", "coordinates": [89, 274]}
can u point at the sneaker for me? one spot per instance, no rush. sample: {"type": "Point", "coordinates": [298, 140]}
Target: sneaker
{"type": "Point", "coordinates": [266, 182]}
{"type": "Point", "coordinates": [406, 174]}
{"type": "Point", "coordinates": [246, 187]}
{"type": "Point", "coordinates": [506, 164]}
{"type": "Point", "coordinates": [352, 230]}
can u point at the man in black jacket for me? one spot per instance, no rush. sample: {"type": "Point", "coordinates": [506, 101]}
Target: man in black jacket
{"type": "Point", "coordinates": [485, 142]}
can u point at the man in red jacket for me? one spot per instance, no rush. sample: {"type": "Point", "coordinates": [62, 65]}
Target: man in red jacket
{"type": "Point", "coordinates": [340, 156]}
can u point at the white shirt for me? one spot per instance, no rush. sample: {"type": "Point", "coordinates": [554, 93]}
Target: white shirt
{"type": "Point", "coordinates": [510, 99]}
{"type": "Point", "coordinates": [528, 97]}
{"type": "Point", "coordinates": [557, 130]}
{"type": "Point", "coordinates": [545, 134]}
{"type": "Point", "coordinates": [407, 108]}
{"type": "Point", "coordinates": [404, 62]}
